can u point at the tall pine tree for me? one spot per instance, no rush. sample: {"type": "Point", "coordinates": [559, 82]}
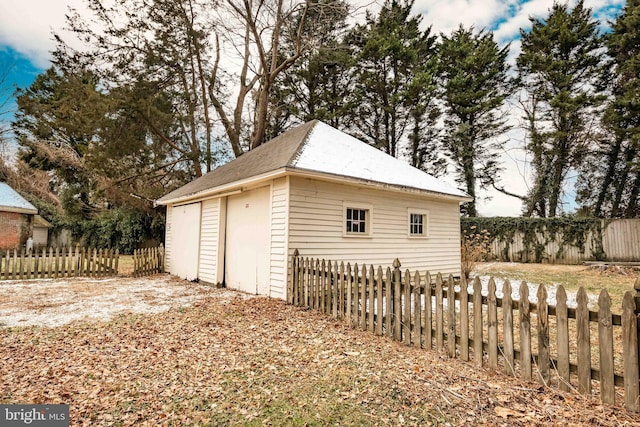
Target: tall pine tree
{"type": "Point", "coordinates": [317, 86]}
{"type": "Point", "coordinates": [561, 69]}
{"type": "Point", "coordinates": [475, 84]}
{"type": "Point", "coordinates": [612, 188]}
{"type": "Point", "coordinates": [393, 53]}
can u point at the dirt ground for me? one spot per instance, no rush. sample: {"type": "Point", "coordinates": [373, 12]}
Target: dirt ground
{"type": "Point", "coordinates": [187, 354]}
{"type": "Point", "coordinates": [57, 302]}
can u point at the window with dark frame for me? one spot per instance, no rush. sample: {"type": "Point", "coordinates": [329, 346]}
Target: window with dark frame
{"type": "Point", "coordinates": [416, 224]}
{"type": "Point", "coordinates": [356, 220]}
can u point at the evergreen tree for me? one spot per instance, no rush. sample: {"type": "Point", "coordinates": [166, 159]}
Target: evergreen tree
{"type": "Point", "coordinates": [475, 85]}
{"type": "Point", "coordinates": [612, 188]}
{"type": "Point", "coordinates": [151, 50]}
{"type": "Point", "coordinates": [561, 69]}
{"type": "Point", "coordinates": [57, 119]}
{"type": "Point", "coordinates": [86, 157]}
{"type": "Point", "coordinates": [393, 54]}
{"type": "Point", "coordinates": [318, 86]}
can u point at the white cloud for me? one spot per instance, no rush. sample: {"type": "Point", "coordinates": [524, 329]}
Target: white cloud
{"type": "Point", "coordinates": [510, 28]}
{"type": "Point", "coordinates": [446, 15]}
{"type": "Point", "coordinates": [26, 26]}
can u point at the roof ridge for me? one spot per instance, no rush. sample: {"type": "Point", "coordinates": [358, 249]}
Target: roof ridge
{"type": "Point", "coordinates": [303, 142]}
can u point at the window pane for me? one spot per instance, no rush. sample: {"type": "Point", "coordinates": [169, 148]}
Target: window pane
{"type": "Point", "coordinates": [356, 220]}
{"type": "Point", "coordinates": [416, 224]}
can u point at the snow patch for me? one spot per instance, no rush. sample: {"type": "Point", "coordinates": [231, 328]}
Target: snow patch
{"type": "Point", "coordinates": [533, 291]}
{"type": "Point", "coordinates": [56, 302]}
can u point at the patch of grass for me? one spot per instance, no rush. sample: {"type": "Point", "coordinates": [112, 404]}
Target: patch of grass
{"type": "Point", "coordinates": [334, 399]}
{"type": "Point", "coordinates": [125, 265]}
{"type": "Point", "coordinates": [572, 277]}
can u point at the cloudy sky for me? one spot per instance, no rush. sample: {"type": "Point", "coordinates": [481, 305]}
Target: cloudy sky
{"type": "Point", "coordinates": [26, 42]}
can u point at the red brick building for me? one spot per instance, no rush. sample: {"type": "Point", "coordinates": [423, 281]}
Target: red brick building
{"type": "Point", "coordinates": [16, 218]}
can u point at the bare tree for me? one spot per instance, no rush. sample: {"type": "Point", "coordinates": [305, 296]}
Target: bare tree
{"type": "Point", "coordinates": [269, 38]}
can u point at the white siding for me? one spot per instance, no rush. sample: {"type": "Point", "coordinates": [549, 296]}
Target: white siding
{"type": "Point", "coordinates": [279, 213]}
{"type": "Point", "coordinates": [316, 222]}
{"type": "Point", "coordinates": [168, 237]}
{"type": "Point", "coordinates": [209, 238]}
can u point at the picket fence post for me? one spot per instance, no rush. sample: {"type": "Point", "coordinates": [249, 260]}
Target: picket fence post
{"type": "Point", "coordinates": [396, 308]}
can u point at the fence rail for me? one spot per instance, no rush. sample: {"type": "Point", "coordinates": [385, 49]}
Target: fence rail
{"type": "Point", "coordinates": [58, 263]}
{"type": "Point", "coordinates": [148, 261]}
{"type": "Point", "coordinates": [550, 343]}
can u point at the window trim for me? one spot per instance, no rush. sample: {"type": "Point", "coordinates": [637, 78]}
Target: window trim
{"type": "Point", "coordinates": [425, 223]}
{"type": "Point", "coordinates": [368, 208]}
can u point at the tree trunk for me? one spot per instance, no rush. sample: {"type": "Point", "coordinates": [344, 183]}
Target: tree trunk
{"type": "Point", "coordinates": [621, 182]}
{"type": "Point", "coordinates": [260, 120]}
{"type": "Point", "coordinates": [560, 164]}
{"type": "Point", "coordinates": [612, 159]}
{"type": "Point", "coordinates": [632, 207]}
{"type": "Point", "coordinates": [470, 181]}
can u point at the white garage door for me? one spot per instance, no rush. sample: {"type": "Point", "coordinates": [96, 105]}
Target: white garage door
{"type": "Point", "coordinates": [185, 240]}
{"type": "Point", "coordinates": [248, 240]}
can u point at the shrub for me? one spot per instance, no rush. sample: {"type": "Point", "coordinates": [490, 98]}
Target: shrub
{"type": "Point", "coordinates": [125, 229]}
{"type": "Point", "coordinates": [475, 248]}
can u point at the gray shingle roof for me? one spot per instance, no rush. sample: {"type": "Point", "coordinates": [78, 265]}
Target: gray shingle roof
{"type": "Point", "coordinates": [319, 148]}
{"type": "Point", "coordinates": [11, 201]}
{"type": "Point", "coordinates": [273, 155]}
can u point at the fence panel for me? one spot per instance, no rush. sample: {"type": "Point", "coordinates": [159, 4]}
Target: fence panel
{"type": "Point", "coordinates": [402, 307]}
{"type": "Point", "coordinates": [148, 261]}
{"type": "Point", "coordinates": [525, 332]}
{"type": "Point", "coordinates": [584, 343]}
{"type": "Point", "coordinates": [58, 263]}
{"type": "Point", "coordinates": [620, 240]}
{"type": "Point", "coordinates": [617, 239]}
{"type": "Point", "coordinates": [477, 322]}
{"type": "Point", "coordinates": [464, 320]}
{"type": "Point", "coordinates": [630, 343]}
{"type": "Point", "coordinates": [507, 316]}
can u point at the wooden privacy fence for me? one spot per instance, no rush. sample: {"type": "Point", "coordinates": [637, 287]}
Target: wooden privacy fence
{"type": "Point", "coordinates": [614, 241]}
{"type": "Point", "coordinates": [148, 261]}
{"type": "Point", "coordinates": [569, 347]}
{"type": "Point", "coordinates": [59, 262]}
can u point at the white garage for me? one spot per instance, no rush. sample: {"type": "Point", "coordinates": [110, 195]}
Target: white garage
{"type": "Point", "coordinates": [317, 190]}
